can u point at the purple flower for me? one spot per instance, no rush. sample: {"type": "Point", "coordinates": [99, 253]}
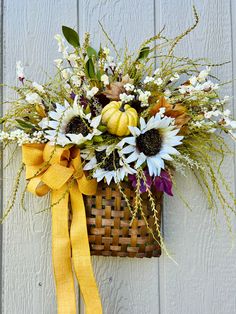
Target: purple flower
{"type": "Point", "coordinates": [72, 95]}
{"type": "Point", "coordinates": [163, 183]}
{"type": "Point", "coordinates": [143, 186]}
{"type": "Point", "coordinates": [83, 102]}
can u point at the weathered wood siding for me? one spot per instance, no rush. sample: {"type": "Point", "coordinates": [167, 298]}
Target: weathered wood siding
{"type": "Point", "coordinates": [204, 281]}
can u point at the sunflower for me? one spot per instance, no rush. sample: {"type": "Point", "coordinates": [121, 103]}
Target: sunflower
{"type": "Point", "coordinates": [152, 143]}
{"type": "Point", "coordinates": [107, 162]}
{"type": "Point", "coordinates": [69, 124]}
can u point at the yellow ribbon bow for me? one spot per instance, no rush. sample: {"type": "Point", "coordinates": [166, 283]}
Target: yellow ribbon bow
{"type": "Point", "coordinates": [59, 170]}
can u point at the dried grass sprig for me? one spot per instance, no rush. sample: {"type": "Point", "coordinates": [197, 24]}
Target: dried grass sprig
{"type": "Point", "coordinates": [12, 199]}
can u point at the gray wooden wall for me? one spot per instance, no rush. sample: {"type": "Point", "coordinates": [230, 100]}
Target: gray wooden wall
{"type": "Point", "coordinates": [204, 281]}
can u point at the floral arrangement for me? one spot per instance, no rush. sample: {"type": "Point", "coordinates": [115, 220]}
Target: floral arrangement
{"type": "Point", "coordinates": [136, 118]}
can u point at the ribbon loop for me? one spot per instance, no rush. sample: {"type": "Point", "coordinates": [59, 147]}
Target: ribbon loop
{"type": "Point", "coordinates": [55, 154]}
{"type": "Point", "coordinates": [87, 187]}
{"type": "Point", "coordinates": [36, 187]}
{"type": "Point", "coordinates": [32, 154]}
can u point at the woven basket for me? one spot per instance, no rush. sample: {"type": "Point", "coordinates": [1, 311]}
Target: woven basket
{"type": "Point", "coordinates": [108, 220]}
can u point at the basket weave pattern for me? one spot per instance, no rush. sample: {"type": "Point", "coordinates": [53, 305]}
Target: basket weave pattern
{"type": "Point", "coordinates": [108, 220]}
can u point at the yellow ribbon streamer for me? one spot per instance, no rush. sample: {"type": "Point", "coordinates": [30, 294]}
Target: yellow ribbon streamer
{"type": "Point", "coordinates": [61, 254]}
{"type": "Point", "coordinates": [60, 170]}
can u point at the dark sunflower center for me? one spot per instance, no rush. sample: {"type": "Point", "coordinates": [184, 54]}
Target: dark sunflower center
{"type": "Point", "coordinates": [150, 142]}
{"type": "Point", "coordinates": [110, 162]}
{"type": "Point", "coordinates": [77, 126]}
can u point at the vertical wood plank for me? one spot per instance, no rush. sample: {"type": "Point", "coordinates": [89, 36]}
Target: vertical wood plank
{"type": "Point", "coordinates": [1, 166]}
{"type": "Point", "coordinates": [205, 279]}
{"type": "Point", "coordinates": [126, 285]}
{"type": "Point", "coordinates": [29, 29]}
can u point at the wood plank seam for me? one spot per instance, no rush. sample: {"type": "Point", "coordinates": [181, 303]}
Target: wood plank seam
{"type": "Point", "coordinates": [1, 163]}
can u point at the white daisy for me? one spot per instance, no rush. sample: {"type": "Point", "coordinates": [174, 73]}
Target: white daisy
{"type": "Point", "coordinates": [93, 91]}
{"type": "Point", "coordinates": [107, 162]}
{"type": "Point", "coordinates": [38, 87]}
{"type": "Point", "coordinates": [105, 79]}
{"type": "Point", "coordinates": [70, 125]}
{"type": "Point", "coordinates": [33, 98]}
{"type": "Point", "coordinates": [153, 143]}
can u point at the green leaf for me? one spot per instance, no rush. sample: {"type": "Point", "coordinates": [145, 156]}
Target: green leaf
{"type": "Point", "coordinates": [87, 110]}
{"type": "Point", "coordinates": [25, 125]}
{"type": "Point", "coordinates": [144, 52]}
{"type": "Point", "coordinates": [91, 52]}
{"type": "Point", "coordinates": [97, 139]}
{"type": "Point", "coordinates": [100, 50]}
{"type": "Point", "coordinates": [102, 128]}
{"type": "Point", "coordinates": [98, 75]}
{"type": "Point", "coordinates": [71, 36]}
{"type": "Point", "coordinates": [90, 69]}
